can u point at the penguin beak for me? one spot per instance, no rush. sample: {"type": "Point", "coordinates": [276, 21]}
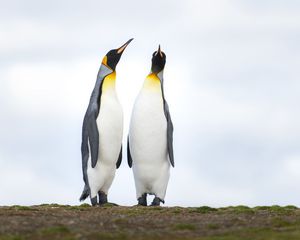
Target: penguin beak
{"type": "Point", "coordinates": [159, 51]}
{"type": "Point", "coordinates": [122, 48]}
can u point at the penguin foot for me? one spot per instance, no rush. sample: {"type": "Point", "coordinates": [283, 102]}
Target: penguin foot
{"type": "Point", "coordinates": [94, 201]}
{"type": "Point", "coordinates": [142, 201]}
{"type": "Point", "coordinates": [156, 201]}
{"type": "Point", "coordinates": [102, 198]}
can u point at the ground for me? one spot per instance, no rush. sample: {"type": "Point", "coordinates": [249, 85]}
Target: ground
{"type": "Point", "coordinates": [52, 221]}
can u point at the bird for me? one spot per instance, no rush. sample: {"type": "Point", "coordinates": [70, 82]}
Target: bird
{"type": "Point", "coordinates": [102, 132]}
{"type": "Point", "coordinates": [150, 138]}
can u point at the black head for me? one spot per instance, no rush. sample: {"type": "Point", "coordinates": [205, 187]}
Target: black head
{"type": "Point", "coordinates": [158, 61]}
{"type": "Point", "coordinates": [113, 56]}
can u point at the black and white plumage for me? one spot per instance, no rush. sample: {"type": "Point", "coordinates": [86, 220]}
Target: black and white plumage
{"type": "Point", "coordinates": [102, 132]}
{"type": "Point", "coordinates": [150, 140]}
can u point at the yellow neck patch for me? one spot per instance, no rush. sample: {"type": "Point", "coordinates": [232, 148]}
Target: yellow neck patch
{"type": "Point", "coordinates": [104, 61]}
{"type": "Point", "coordinates": [109, 82]}
{"type": "Point", "coordinates": [152, 82]}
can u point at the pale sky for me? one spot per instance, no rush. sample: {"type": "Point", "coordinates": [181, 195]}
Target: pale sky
{"type": "Point", "coordinates": [232, 81]}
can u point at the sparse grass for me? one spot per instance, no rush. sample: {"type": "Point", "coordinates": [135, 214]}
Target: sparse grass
{"type": "Point", "coordinates": [77, 208]}
{"type": "Point", "coordinates": [109, 236]}
{"type": "Point", "coordinates": [156, 208]}
{"type": "Point", "coordinates": [120, 221]}
{"type": "Point", "coordinates": [57, 232]}
{"type": "Point", "coordinates": [255, 234]}
{"type": "Point", "coordinates": [276, 209]}
{"type": "Point", "coordinates": [10, 237]}
{"type": "Point", "coordinates": [60, 232]}
{"type": "Point", "coordinates": [56, 229]}
{"type": "Point", "coordinates": [177, 210]}
{"type": "Point", "coordinates": [280, 223]}
{"type": "Point", "coordinates": [109, 205]}
{"type": "Point", "coordinates": [213, 226]}
{"type": "Point", "coordinates": [24, 208]}
{"type": "Point", "coordinates": [85, 205]}
{"type": "Point", "coordinates": [51, 205]}
{"type": "Point", "coordinates": [184, 226]}
{"type": "Point", "coordinates": [291, 207]}
{"type": "Point", "coordinates": [203, 209]}
{"type": "Point", "coordinates": [65, 222]}
{"type": "Point", "coordinates": [238, 209]}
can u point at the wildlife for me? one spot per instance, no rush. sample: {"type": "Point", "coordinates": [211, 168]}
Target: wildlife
{"type": "Point", "coordinates": [150, 139]}
{"type": "Point", "coordinates": [102, 132]}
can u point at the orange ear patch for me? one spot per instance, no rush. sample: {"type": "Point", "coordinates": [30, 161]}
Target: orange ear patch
{"type": "Point", "coordinates": [104, 61]}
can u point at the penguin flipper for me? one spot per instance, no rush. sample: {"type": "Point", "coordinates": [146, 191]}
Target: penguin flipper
{"type": "Point", "coordinates": [170, 127]}
{"type": "Point", "coordinates": [119, 159]}
{"type": "Point", "coordinates": [129, 159]}
{"type": "Point", "coordinates": [93, 140]}
{"type": "Point", "coordinates": [85, 193]}
{"type": "Point", "coordinates": [84, 151]}
{"type": "Point", "coordinates": [90, 134]}
{"type": "Point", "coordinates": [170, 130]}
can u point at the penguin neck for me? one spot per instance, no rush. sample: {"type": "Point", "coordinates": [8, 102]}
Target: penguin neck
{"type": "Point", "coordinates": [152, 82]}
{"type": "Point", "coordinates": [109, 82]}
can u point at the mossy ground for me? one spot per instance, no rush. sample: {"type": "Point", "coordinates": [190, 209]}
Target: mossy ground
{"type": "Point", "coordinates": [53, 221]}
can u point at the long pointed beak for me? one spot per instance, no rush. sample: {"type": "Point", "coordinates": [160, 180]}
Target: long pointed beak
{"type": "Point", "coordinates": [159, 51]}
{"type": "Point", "coordinates": [122, 48]}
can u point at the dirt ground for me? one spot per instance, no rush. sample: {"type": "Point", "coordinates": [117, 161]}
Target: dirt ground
{"type": "Point", "coordinates": [52, 221]}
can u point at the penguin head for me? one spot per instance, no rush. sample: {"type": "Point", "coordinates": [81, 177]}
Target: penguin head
{"type": "Point", "coordinates": [158, 61]}
{"type": "Point", "coordinates": [112, 58]}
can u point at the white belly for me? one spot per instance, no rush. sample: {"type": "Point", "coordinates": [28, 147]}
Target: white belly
{"type": "Point", "coordinates": [110, 127]}
{"type": "Point", "coordinates": [148, 143]}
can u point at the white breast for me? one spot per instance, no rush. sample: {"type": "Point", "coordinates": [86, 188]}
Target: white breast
{"type": "Point", "coordinates": [148, 128]}
{"type": "Point", "coordinates": [110, 126]}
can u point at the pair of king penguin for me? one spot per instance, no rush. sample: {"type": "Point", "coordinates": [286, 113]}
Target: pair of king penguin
{"type": "Point", "coordinates": [150, 138]}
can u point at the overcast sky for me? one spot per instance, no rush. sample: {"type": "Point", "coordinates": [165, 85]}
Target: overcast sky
{"type": "Point", "coordinates": [232, 80]}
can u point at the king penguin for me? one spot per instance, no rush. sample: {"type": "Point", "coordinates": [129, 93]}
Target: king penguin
{"type": "Point", "coordinates": [102, 132]}
{"type": "Point", "coordinates": [150, 140]}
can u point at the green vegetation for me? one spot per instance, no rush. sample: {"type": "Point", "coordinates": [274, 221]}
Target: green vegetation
{"type": "Point", "coordinates": [184, 226]}
{"type": "Point", "coordinates": [10, 237]}
{"type": "Point", "coordinates": [204, 209]}
{"type": "Point", "coordinates": [23, 208]}
{"type": "Point", "coordinates": [238, 209]}
{"type": "Point", "coordinates": [213, 226]}
{"type": "Point", "coordinates": [256, 234]}
{"type": "Point", "coordinates": [277, 209]}
{"type": "Point", "coordinates": [55, 230]}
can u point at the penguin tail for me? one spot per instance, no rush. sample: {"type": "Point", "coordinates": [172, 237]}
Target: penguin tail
{"type": "Point", "coordinates": [85, 193]}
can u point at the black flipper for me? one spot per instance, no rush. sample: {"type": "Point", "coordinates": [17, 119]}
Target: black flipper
{"type": "Point", "coordinates": [170, 130]}
{"type": "Point", "coordinates": [85, 193]}
{"type": "Point", "coordinates": [119, 159]}
{"type": "Point", "coordinates": [129, 159]}
{"type": "Point", "coordinates": [170, 127]}
{"type": "Point", "coordinates": [93, 139]}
